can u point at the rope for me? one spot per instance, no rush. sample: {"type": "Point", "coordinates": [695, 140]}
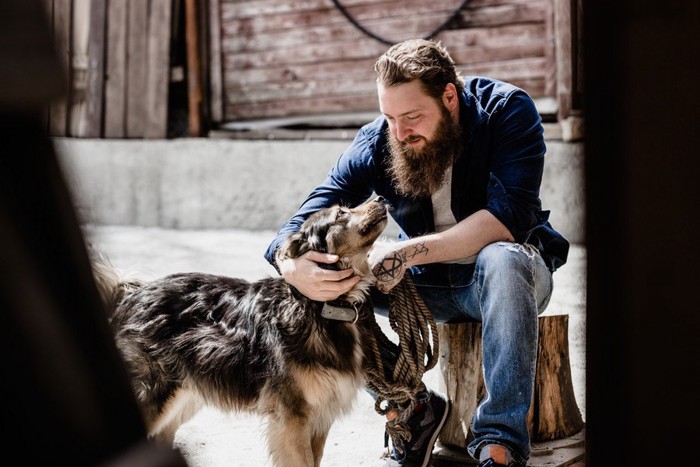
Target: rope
{"type": "Point", "coordinates": [394, 372]}
{"type": "Point", "coordinates": [371, 34]}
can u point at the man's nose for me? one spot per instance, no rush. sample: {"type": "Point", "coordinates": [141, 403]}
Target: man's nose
{"type": "Point", "coordinates": [402, 131]}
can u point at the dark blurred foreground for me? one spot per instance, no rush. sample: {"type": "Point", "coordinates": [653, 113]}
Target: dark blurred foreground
{"type": "Point", "coordinates": [66, 397]}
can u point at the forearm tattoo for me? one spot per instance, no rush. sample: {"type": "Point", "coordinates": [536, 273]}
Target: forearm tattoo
{"type": "Point", "coordinates": [415, 250]}
{"type": "Point", "coordinates": [392, 266]}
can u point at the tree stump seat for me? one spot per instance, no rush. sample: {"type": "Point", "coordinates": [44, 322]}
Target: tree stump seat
{"type": "Point", "coordinates": [554, 413]}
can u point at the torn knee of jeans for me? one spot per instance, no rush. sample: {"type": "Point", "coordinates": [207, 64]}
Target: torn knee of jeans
{"type": "Point", "coordinates": [528, 250]}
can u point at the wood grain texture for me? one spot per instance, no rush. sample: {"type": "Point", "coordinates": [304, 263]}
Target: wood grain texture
{"type": "Point", "coordinates": [94, 92]}
{"type": "Point", "coordinates": [137, 67]}
{"type": "Point", "coordinates": [116, 82]}
{"type": "Point", "coordinates": [61, 12]}
{"type": "Point", "coordinates": [303, 57]}
{"type": "Point", "coordinates": [554, 413]}
{"type": "Point", "coordinates": [158, 76]}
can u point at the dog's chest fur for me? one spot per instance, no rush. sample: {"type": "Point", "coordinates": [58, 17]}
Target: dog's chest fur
{"type": "Point", "coordinates": [242, 346]}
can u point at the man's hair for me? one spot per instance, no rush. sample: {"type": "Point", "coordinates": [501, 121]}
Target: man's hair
{"type": "Point", "coordinates": [421, 59]}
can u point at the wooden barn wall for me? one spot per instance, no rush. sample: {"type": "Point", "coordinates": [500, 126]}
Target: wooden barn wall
{"type": "Point", "coordinates": [282, 58]}
{"type": "Point", "coordinates": [116, 59]}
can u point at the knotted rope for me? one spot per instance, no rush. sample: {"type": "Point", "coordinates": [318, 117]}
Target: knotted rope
{"type": "Point", "coordinates": [394, 372]}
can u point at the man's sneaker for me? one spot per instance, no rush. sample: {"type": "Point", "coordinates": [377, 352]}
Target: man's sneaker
{"type": "Point", "coordinates": [491, 463]}
{"type": "Point", "coordinates": [495, 455]}
{"type": "Point", "coordinates": [420, 431]}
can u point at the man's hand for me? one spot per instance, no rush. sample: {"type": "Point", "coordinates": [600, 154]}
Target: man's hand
{"type": "Point", "coordinates": [388, 263]}
{"type": "Point", "coordinates": [313, 281]}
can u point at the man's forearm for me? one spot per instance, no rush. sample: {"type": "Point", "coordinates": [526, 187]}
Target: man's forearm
{"type": "Point", "coordinates": [463, 240]}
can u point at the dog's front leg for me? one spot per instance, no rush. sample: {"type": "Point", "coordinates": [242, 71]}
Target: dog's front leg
{"type": "Point", "coordinates": [289, 442]}
{"type": "Point", "coordinates": [318, 442]}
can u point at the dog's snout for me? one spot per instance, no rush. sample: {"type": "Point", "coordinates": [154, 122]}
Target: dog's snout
{"type": "Point", "coordinates": [380, 199]}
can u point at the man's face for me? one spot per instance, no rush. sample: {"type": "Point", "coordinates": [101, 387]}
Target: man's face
{"type": "Point", "coordinates": [411, 113]}
{"type": "Point", "coordinates": [424, 138]}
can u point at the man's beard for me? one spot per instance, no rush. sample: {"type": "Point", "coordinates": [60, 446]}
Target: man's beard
{"type": "Point", "coordinates": [420, 172]}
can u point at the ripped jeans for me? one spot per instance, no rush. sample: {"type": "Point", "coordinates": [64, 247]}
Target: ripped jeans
{"type": "Point", "coordinates": [506, 289]}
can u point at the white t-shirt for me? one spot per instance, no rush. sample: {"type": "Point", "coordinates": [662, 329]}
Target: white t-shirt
{"type": "Point", "coordinates": [442, 212]}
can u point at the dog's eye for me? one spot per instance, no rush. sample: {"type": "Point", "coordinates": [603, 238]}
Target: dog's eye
{"type": "Point", "coordinates": [342, 213]}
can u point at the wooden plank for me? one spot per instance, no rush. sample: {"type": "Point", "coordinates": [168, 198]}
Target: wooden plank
{"type": "Point", "coordinates": [399, 28]}
{"type": "Point", "coordinates": [256, 93]}
{"type": "Point", "coordinates": [294, 107]}
{"type": "Point", "coordinates": [137, 68]}
{"type": "Point", "coordinates": [115, 85]}
{"type": "Point", "coordinates": [216, 85]}
{"type": "Point", "coordinates": [285, 134]}
{"type": "Point", "coordinates": [249, 90]}
{"type": "Point", "coordinates": [252, 9]}
{"type": "Point", "coordinates": [203, 37]}
{"type": "Point", "coordinates": [550, 54]}
{"type": "Point", "coordinates": [564, 61]}
{"type": "Point", "coordinates": [290, 72]}
{"type": "Point", "coordinates": [468, 46]}
{"type": "Point", "coordinates": [194, 82]}
{"type": "Point", "coordinates": [61, 22]}
{"type": "Point", "coordinates": [94, 93]}
{"type": "Point", "coordinates": [79, 63]}
{"type": "Point", "coordinates": [158, 76]}
{"type": "Point", "coordinates": [348, 86]}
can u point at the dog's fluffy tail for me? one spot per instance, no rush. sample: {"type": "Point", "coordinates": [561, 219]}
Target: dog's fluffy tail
{"type": "Point", "coordinates": [110, 283]}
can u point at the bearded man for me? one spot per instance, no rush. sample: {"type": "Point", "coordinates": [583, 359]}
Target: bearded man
{"type": "Point", "coordinates": [460, 162]}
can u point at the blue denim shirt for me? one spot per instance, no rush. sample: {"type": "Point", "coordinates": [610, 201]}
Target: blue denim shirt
{"type": "Point", "coordinates": [500, 171]}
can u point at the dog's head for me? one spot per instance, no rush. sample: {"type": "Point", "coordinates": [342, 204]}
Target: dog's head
{"type": "Point", "coordinates": [346, 232]}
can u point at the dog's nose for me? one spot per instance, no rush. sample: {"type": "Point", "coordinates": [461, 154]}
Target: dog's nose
{"type": "Point", "coordinates": [380, 199]}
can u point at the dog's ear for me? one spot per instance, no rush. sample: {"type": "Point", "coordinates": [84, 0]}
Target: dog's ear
{"type": "Point", "coordinates": [311, 236]}
{"type": "Point", "coordinates": [293, 246]}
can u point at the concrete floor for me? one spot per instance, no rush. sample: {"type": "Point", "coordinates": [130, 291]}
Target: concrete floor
{"type": "Point", "coordinates": [214, 439]}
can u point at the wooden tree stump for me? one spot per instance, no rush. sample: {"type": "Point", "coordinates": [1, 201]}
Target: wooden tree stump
{"type": "Point", "coordinates": [554, 413]}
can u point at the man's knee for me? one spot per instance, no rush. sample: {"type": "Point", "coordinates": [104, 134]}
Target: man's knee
{"type": "Point", "coordinates": [500, 256]}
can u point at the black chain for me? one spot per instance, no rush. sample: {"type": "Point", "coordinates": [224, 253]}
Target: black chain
{"type": "Point", "coordinates": [369, 33]}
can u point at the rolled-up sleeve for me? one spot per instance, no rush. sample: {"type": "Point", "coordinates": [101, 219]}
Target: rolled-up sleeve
{"type": "Point", "coordinates": [517, 165]}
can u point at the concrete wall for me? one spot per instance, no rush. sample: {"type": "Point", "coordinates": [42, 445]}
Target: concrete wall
{"type": "Point", "coordinates": [250, 185]}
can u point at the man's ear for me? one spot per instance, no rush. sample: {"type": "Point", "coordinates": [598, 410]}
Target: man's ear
{"type": "Point", "coordinates": [449, 97]}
